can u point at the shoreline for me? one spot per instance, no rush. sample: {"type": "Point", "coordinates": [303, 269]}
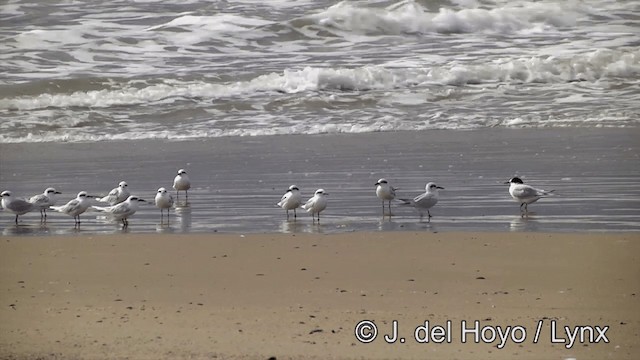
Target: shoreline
{"type": "Point", "coordinates": [237, 181]}
{"type": "Point", "coordinates": [300, 296]}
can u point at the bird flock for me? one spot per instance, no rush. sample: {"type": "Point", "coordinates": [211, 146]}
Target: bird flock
{"type": "Point", "coordinates": [122, 205]}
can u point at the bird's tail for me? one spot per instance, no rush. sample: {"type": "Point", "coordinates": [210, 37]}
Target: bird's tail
{"type": "Point", "coordinates": [548, 192]}
{"type": "Point", "coordinates": [407, 202]}
{"type": "Point", "coordinates": [99, 208]}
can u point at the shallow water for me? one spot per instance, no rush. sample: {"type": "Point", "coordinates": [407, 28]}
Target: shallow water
{"type": "Point", "coordinates": [236, 183]}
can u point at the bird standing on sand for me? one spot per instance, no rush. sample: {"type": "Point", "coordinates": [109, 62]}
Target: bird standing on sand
{"type": "Point", "coordinates": [316, 204]}
{"type": "Point", "coordinates": [116, 195]}
{"type": "Point", "coordinates": [291, 200]}
{"type": "Point", "coordinates": [123, 210]}
{"type": "Point", "coordinates": [163, 200]}
{"type": "Point", "coordinates": [76, 206]}
{"type": "Point", "coordinates": [385, 192]}
{"type": "Point", "coordinates": [16, 206]}
{"type": "Point", "coordinates": [44, 201]}
{"type": "Point", "coordinates": [181, 182]}
{"type": "Point", "coordinates": [426, 201]}
{"type": "Point", "coordinates": [525, 194]}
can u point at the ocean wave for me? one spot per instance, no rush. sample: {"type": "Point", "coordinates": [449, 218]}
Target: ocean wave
{"type": "Point", "coordinates": [384, 124]}
{"type": "Point", "coordinates": [411, 17]}
{"type": "Point", "coordinates": [122, 41]}
{"type": "Point", "coordinates": [98, 71]}
{"type": "Point", "coordinates": [594, 66]}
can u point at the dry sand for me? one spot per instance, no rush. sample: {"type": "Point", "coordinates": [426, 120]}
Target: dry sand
{"type": "Point", "coordinates": [301, 296]}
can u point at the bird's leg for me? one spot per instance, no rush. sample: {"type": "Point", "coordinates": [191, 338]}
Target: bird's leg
{"type": "Point", "coordinates": [287, 214]}
{"type": "Point", "coordinates": [382, 208]}
{"type": "Point", "coordinates": [16, 219]}
{"type": "Point", "coordinates": [294, 213]}
{"type": "Point", "coordinates": [389, 207]}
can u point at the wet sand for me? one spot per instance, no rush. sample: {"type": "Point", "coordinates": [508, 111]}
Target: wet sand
{"type": "Point", "coordinates": [237, 181]}
{"type": "Point", "coordinates": [288, 296]}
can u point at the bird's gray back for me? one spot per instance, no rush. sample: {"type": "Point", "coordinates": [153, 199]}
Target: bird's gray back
{"type": "Point", "coordinates": [40, 200]}
{"type": "Point", "coordinates": [526, 191]}
{"type": "Point", "coordinates": [20, 206]}
{"type": "Point", "coordinates": [72, 206]}
{"type": "Point", "coordinates": [425, 200]}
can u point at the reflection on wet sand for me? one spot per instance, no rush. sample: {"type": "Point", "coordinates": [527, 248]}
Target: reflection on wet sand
{"type": "Point", "coordinates": [183, 217]}
{"type": "Point", "coordinates": [524, 223]}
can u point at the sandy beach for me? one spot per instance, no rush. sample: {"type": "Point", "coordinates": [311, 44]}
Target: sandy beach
{"type": "Point", "coordinates": [300, 296]}
{"type": "Point", "coordinates": [252, 97]}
